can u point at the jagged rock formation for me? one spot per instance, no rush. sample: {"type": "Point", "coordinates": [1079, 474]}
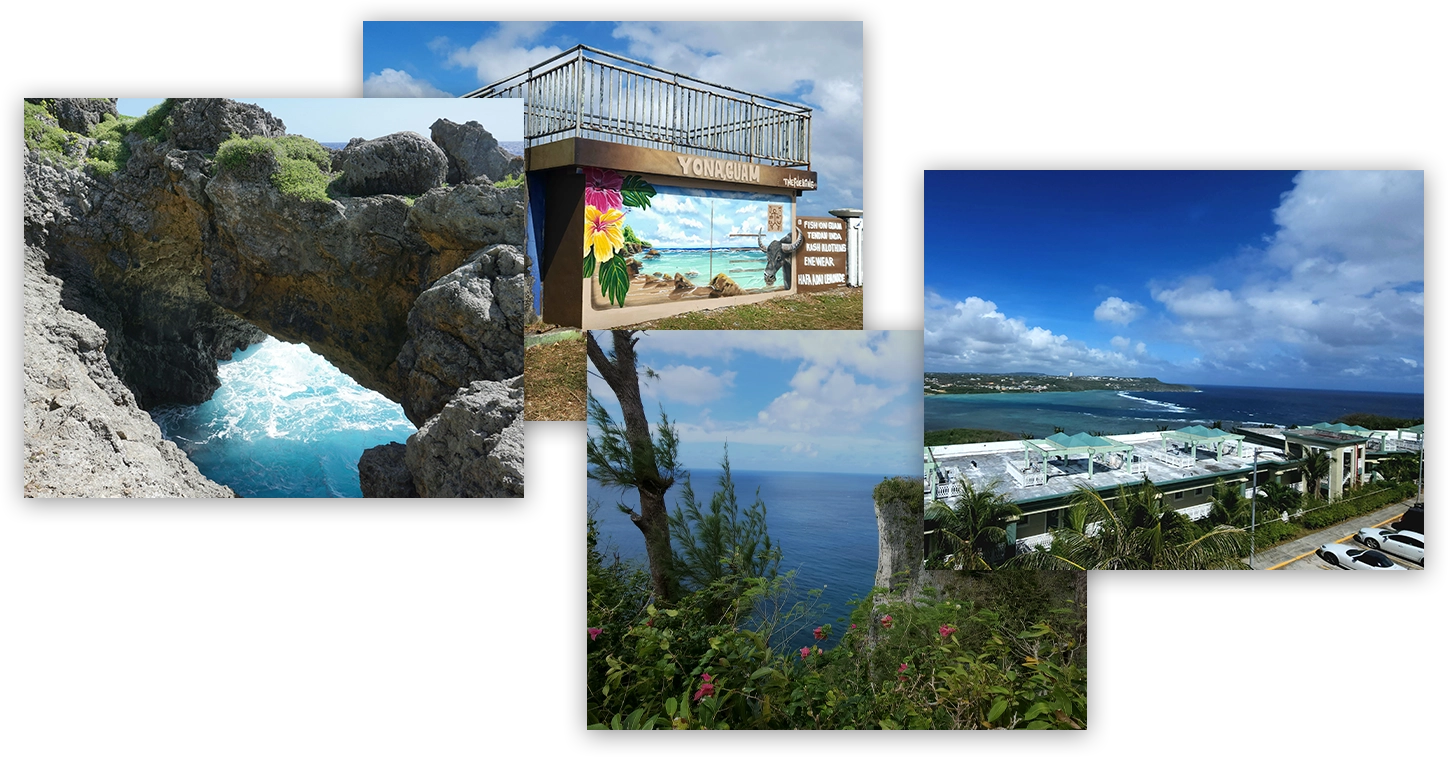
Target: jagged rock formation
{"type": "Point", "coordinates": [900, 518]}
{"type": "Point", "coordinates": [203, 124]}
{"type": "Point", "coordinates": [181, 260]}
{"type": "Point", "coordinates": [473, 154]}
{"type": "Point", "coordinates": [474, 447]}
{"type": "Point", "coordinates": [399, 164]}
{"type": "Point", "coordinates": [78, 114]}
{"type": "Point", "coordinates": [383, 472]}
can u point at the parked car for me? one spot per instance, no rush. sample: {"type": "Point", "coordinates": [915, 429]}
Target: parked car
{"type": "Point", "coordinates": [1412, 520]}
{"type": "Point", "coordinates": [1404, 544]}
{"type": "Point", "coordinates": [1352, 558]}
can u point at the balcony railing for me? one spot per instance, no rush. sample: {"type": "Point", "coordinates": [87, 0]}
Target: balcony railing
{"type": "Point", "coordinates": [1174, 459]}
{"type": "Point", "coordinates": [1032, 476]}
{"type": "Point", "coordinates": [593, 94]}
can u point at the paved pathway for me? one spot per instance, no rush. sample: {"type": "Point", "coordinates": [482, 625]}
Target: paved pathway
{"type": "Point", "coordinates": [1289, 555]}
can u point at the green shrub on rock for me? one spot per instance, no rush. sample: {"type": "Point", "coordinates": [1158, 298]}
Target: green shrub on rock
{"type": "Point", "coordinates": [303, 165]}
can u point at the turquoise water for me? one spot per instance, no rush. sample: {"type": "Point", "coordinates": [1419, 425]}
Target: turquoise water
{"type": "Point", "coordinates": [745, 266]}
{"type": "Point", "coordinates": [284, 423]}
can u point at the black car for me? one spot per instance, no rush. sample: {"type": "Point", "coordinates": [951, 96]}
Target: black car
{"type": "Point", "coordinates": [1412, 519]}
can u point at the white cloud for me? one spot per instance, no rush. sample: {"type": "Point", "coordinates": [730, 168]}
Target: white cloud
{"type": "Point", "coordinates": [1121, 343]}
{"type": "Point", "coordinates": [687, 384]}
{"type": "Point", "coordinates": [823, 397]}
{"type": "Point", "coordinates": [393, 83]}
{"type": "Point", "coordinates": [1117, 310]}
{"type": "Point", "coordinates": [504, 53]}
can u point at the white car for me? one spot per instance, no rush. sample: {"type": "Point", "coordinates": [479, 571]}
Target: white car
{"type": "Point", "coordinates": [1405, 544]}
{"type": "Point", "coordinates": [1352, 558]}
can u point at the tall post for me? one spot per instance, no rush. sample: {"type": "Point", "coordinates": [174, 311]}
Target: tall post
{"type": "Point", "coordinates": [1252, 553]}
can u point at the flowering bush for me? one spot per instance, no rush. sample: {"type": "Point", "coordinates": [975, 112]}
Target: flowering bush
{"type": "Point", "coordinates": [937, 664]}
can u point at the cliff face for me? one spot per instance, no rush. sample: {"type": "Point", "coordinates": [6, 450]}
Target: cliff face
{"type": "Point", "coordinates": [181, 258]}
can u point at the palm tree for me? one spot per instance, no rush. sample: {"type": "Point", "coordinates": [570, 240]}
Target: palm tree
{"type": "Point", "coordinates": [1136, 532]}
{"type": "Point", "coordinates": [1315, 467]}
{"type": "Point", "coordinates": [1278, 497]}
{"type": "Point", "coordinates": [1229, 507]}
{"type": "Point", "coordinates": [974, 526]}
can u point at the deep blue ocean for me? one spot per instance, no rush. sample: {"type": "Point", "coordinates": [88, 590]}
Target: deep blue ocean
{"type": "Point", "coordinates": [824, 523]}
{"type": "Point", "coordinates": [1126, 412]}
{"type": "Point", "coordinates": [284, 423]}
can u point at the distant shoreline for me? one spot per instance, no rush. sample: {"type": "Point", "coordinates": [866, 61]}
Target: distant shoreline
{"type": "Point", "coordinates": [995, 383]}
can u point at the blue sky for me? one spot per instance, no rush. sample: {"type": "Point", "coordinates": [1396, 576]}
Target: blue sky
{"type": "Point", "coordinates": [819, 64]}
{"type": "Point", "coordinates": [327, 119]}
{"type": "Point", "coordinates": [1251, 278]}
{"type": "Point", "coordinates": [812, 401]}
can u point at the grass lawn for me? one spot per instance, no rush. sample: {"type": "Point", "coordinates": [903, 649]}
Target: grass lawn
{"type": "Point", "coordinates": [555, 381]}
{"type": "Point", "coordinates": [841, 309]}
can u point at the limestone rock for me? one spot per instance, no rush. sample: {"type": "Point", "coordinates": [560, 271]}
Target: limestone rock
{"type": "Point", "coordinates": [84, 434]}
{"type": "Point", "coordinates": [474, 447]}
{"type": "Point", "coordinates": [77, 114]}
{"type": "Point", "coordinates": [901, 523]}
{"type": "Point", "coordinates": [468, 326]}
{"type": "Point", "coordinates": [458, 221]}
{"type": "Point", "coordinates": [202, 124]}
{"type": "Point", "coordinates": [724, 286]}
{"type": "Point", "coordinates": [400, 164]}
{"type": "Point", "coordinates": [473, 155]}
{"type": "Point", "coordinates": [383, 472]}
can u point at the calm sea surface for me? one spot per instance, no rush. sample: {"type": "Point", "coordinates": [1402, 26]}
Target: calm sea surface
{"type": "Point", "coordinates": [1126, 412]}
{"type": "Point", "coordinates": [823, 522]}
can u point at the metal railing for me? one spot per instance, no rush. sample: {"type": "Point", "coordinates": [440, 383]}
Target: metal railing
{"type": "Point", "coordinates": [589, 93]}
{"type": "Point", "coordinates": [1031, 476]}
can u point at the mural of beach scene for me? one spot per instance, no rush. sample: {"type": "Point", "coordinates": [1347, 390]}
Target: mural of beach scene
{"type": "Point", "coordinates": [651, 242]}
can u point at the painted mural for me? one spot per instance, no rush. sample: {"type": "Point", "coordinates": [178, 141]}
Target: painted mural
{"type": "Point", "coordinates": [646, 243]}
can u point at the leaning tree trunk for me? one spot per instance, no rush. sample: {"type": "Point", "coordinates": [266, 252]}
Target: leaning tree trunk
{"type": "Point", "coordinates": [652, 517]}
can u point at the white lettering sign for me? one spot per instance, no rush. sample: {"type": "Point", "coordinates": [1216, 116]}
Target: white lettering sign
{"type": "Point", "coordinates": [820, 279]}
{"type": "Point", "coordinates": [713, 168]}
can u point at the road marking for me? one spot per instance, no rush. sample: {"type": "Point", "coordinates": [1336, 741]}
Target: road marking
{"type": "Point", "coordinates": [1337, 542]}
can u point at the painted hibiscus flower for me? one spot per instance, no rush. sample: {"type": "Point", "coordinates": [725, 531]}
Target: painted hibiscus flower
{"type": "Point", "coordinates": [602, 231]}
{"type": "Point", "coordinates": [602, 189]}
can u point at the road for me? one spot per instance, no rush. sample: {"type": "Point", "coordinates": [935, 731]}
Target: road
{"type": "Point", "coordinates": [1299, 554]}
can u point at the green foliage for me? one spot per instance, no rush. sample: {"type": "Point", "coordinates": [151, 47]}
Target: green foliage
{"type": "Point", "coordinates": [714, 544]}
{"type": "Point", "coordinates": [1367, 499]}
{"type": "Point", "coordinates": [922, 664]}
{"type": "Point", "coordinates": [111, 151]}
{"type": "Point", "coordinates": [43, 133]}
{"type": "Point", "coordinates": [1377, 422]}
{"type": "Point", "coordinates": [302, 165]}
{"type": "Point", "coordinates": [614, 462]}
{"type": "Point", "coordinates": [942, 437]}
{"type": "Point", "coordinates": [510, 181]}
{"type": "Point", "coordinates": [972, 529]}
{"type": "Point", "coordinates": [156, 124]}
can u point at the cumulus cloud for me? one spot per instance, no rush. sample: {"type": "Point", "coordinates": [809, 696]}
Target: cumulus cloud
{"type": "Point", "coordinates": [1121, 343]}
{"type": "Point", "coordinates": [825, 397]}
{"type": "Point", "coordinates": [505, 52]}
{"type": "Point", "coordinates": [973, 336]}
{"type": "Point", "coordinates": [1117, 310]}
{"type": "Point", "coordinates": [394, 83]}
{"type": "Point", "coordinates": [687, 384]}
{"type": "Point", "coordinates": [1339, 282]}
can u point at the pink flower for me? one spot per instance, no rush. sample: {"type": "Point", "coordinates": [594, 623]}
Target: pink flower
{"type": "Point", "coordinates": [887, 621]}
{"type": "Point", "coordinates": [852, 626]}
{"type": "Point", "coordinates": [602, 189]}
{"type": "Point", "coordinates": [706, 689]}
{"type": "Point", "coordinates": [819, 632]}
{"type": "Point", "coordinates": [903, 666]}
{"type": "Point", "coordinates": [803, 652]}
{"type": "Point", "coordinates": [593, 633]}
{"type": "Point", "coordinates": [946, 631]}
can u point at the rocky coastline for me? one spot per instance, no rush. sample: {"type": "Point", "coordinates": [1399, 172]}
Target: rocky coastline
{"type": "Point", "coordinates": [155, 247]}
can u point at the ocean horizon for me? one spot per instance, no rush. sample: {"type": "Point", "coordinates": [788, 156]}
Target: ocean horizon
{"type": "Point", "coordinates": [1124, 412]}
{"type": "Point", "coordinates": [823, 523]}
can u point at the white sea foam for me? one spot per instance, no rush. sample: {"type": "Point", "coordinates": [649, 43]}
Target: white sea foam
{"type": "Point", "coordinates": [1168, 407]}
